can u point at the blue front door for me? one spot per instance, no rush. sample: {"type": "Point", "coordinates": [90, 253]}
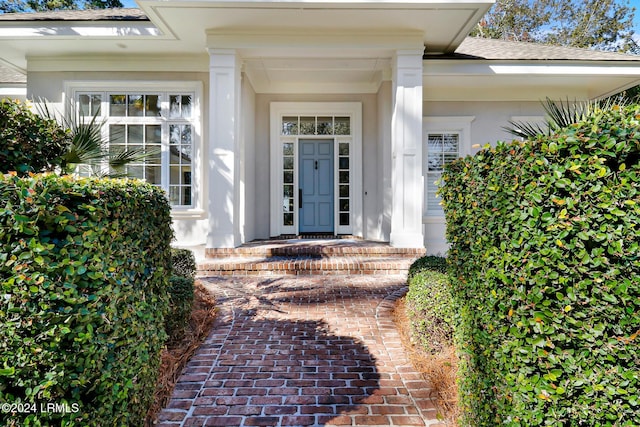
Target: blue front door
{"type": "Point", "coordinates": [316, 186]}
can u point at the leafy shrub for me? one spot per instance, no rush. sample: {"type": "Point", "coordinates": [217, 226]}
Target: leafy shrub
{"type": "Point", "coordinates": [181, 291]}
{"type": "Point", "coordinates": [429, 262]}
{"type": "Point", "coordinates": [28, 142]}
{"type": "Point", "coordinates": [429, 304]}
{"type": "Point", "coordinates": [545, 275]}
{"type": "Point", "coordinates": [84, 266]}
{"type": "Point", "coordinates": [183, 262]}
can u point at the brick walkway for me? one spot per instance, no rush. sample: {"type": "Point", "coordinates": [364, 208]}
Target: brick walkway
{"type": "Point", "coordinates": [313, 351]}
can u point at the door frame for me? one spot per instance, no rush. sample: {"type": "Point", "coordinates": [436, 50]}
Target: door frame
{"type": "Point", "coordinates": [279, 110]}
{"type": "Point", "coordinates": [331, 176]}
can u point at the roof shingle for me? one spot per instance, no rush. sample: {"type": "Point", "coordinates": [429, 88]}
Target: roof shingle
{"type": "Point", "coordinates": [491, 49]}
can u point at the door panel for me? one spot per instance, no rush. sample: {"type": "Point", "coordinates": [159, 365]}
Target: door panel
{"type": "Point", "coordinates": [316, 184]}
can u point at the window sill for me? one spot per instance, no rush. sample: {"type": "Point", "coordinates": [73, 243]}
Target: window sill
{"type": "Point", "coordinates": [187, 213]}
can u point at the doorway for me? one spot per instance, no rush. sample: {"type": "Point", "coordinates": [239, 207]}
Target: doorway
{"type": "Point", "coordinates": [316, 184]}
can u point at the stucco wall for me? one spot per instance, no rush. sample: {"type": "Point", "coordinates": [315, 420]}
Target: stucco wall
{"type": "Point", "coordinates": [485, 128]}
{"type": "Point", "coordinates": [248, 160]}
{"type": "Point", "coordinates": [489, 117]}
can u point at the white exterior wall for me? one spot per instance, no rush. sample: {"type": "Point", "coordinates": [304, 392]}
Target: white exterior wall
{"type": "Point", "coordinates": [383, 178]}
{"type": "Point", "coordinates": [248, 156]}
{"type": "Point", "coordinates": [489, 118]}
{"type": "Point", "coordinates": [254, 154]}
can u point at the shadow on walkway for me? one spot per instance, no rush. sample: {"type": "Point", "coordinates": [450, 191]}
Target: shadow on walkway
{"type": "Point", "coordinates": [273, 372]}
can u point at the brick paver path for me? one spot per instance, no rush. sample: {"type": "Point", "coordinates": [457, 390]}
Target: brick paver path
{"type": "Point", "coordinates": [292, 351]}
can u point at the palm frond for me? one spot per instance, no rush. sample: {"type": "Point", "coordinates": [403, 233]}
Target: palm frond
{"type": "Point", "coordinates": [117, 159]}
{"type": "Point", "coordinates": [559, 115]}
{"type": "Point", "coordinates": [89, 147]}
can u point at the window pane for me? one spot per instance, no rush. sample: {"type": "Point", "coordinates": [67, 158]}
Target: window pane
{"type": "Point", "coordinates": [435, 143]}
{"type": "Point", "coordinates": [117, 105]}
{"type": "Point", "coordinates": [187, 102]}
{"type": "Point", "coordinates": [135, 134]}
{"type": "Point", "coordinates": [174, 194]}
{"type": "Point", "coordinates": [343, 163]}
{"type": "Point", "coordinates": [441, 149]}
{"type": "Point", "coordinates": [325, 125]}
{"type": "Point", "coordinates": [435, 162]}
{"type": "Point", "coordinates": [152, 106]}
{"type": "Point", "coordinates": [288, 177]}
{"type": "Point", "coordinates": [287, 149]}
{"type": "Point", "coordinates": [343, 149]}
{"type": "Point", "coordinates": [180, 106]}
{"type": "Point", "coordinates": [288, 190]}
{"type": "Point", "coordinates": [135, 105]}
{"type": "Point", "coordinates": [307, 125]}
{"type": "Point", "coordinates": [90, 104]}
{"type": "Point", "coordinates": [135, 171]}
{"type": "Point", "coordinates": [344, 219]}
{"type": "Point", "coordinates": [290, 125]}
{"type": "Point", "coordinates": [342, 126]}
{"type": "Point", "coordinates": [153, 174]}
{"type": "Point", "coordinates": [343, 177]}
{"type": "Point", "coordinates": [344, 191]}
{"type": "Point", "coordinates": [287, 219]}
{"type": "Point", "coordinates": [344, 205]}
{"type": "Point", "coordinates": [117, 134]}
{"type": "Point", "coordinates": [85, 105]}
{"type": "Point", "coordinates": [287, 162]}
{"type": "Point", "coordinates": [186, 194]}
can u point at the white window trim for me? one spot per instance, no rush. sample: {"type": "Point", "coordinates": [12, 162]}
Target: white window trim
{"type": "Point", "coordinates": [196, 211]}
{"type": "Point", "coordinates": [350, 109]}
{"type": "Point", "coordinates": [458, 124]}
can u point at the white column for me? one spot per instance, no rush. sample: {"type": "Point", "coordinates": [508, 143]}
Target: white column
{"type": "Point", "coordinates": [406, 144]}
{"type": "Point", "coordinates": [224, 135]}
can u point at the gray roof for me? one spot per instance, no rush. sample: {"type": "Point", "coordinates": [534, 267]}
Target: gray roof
{"type": "Point", "coordinates": [121, 14]}
{"type": "Point", "coordinates": [491, 49]}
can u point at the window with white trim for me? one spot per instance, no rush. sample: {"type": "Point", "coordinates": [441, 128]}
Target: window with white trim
{"type": "Point", "coordinates": [442, 148]}
{"type": "Point", "coordinates": [161, 121]}
{"type": "Point", "coordinates": [445, 140]}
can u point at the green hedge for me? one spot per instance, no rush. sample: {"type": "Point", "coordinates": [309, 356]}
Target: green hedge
{"type": "Point", "coordinates": [181, 294]}
{"type": "Point", "coordinates": [430, 304]}
{"type": "Point", "coordinates": [183, 262]}
{"type": "Point", "coordinates": [29, 142]}
{"type": "Point", "coordinates": [545, 270]}
{"type": "Point", "coordinates": [84, 266]}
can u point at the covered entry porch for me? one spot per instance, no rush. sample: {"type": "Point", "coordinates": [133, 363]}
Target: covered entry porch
{"type": "Point", "coordinates": [315, 118]}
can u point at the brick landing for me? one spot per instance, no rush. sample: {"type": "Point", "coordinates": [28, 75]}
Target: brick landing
{"type": "Point", "coordinates": [309, 257]}
{"type": "Point", "coordinates": [312, 351]}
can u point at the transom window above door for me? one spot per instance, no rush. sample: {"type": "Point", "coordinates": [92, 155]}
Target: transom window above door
{"type": "Point", "coordinates": [316, 125]}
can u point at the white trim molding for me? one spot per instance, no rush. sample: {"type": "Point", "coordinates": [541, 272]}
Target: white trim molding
{"type": "Point", "coordinates": [353, 110]}
{"type": "Point", "coordinates": [72, 88]}
{"type": "Point", "coordinates": [457, 124]}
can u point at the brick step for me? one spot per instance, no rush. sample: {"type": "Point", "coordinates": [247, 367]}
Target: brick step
{"type": "Point", "coordinates": [271, 266]}
{"type": "Point", "coordinates": [310, 250]}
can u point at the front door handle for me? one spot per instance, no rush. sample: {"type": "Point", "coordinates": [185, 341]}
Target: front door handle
{"type": "Point", "coordinates": [299, 198]}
